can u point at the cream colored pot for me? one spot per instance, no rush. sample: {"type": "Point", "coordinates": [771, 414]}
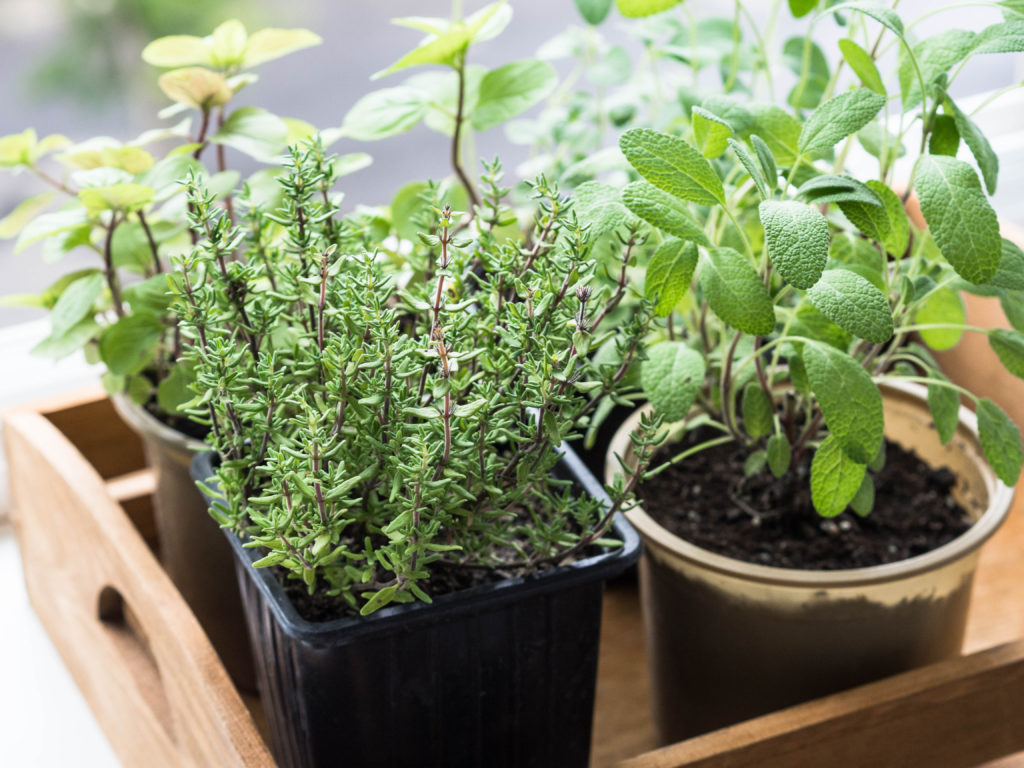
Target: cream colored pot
{"type": "Point", "coordinates": [729, 640]}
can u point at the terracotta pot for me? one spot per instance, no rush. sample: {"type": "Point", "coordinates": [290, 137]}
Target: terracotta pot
{"type": "Point", "coordinates": [193, 550]}
{"type": "Point", "coordinates": [729, 640]}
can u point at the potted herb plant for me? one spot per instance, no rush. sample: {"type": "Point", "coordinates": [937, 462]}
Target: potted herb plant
{"type": "Point", "coordinates": [123, 201]}
{"type": "Point", "coordinates": [793, 379]}
{"type": "Point", "coordinates": [421, 561]}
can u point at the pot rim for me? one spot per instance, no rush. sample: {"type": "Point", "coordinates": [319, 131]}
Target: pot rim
{"type": "Point", "coordinates": [402, 617]}
{"type": "Point", "coordinates": [655, 537]}
{"type": "Point", "coordinates": [147, 425]}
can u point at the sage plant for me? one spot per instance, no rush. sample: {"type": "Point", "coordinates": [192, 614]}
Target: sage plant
{"type": "Point", "coordinates": [377, 426]}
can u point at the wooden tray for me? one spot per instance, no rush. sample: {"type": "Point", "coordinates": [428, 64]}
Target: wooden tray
{"type": "Point", "coordinates": [84, 525]}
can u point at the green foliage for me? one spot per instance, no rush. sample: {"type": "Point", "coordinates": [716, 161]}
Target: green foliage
{"type": "Point", "coordinates": [835, 478]}
{"type": "Point", "coordinates": [374, 432]}
{"type": "Point", "coordinates": [797, 238]}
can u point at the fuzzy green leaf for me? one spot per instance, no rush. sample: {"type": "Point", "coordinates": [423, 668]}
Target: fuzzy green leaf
{"type": "Point", "coordinates": [735, 292]}
{"type": "Point", "coordinates": [863, 65]}
{"type": "Point", "coordinates": [1006, 37]}
{"type": "Point", "coordinates": [807, 61]}
{"type": "Point", "coordinates": [797, 238]}
{"type": "Point", "coordinates": [942, 306]}
{"type": "Point", "coordinates": [593, 11]}
{"type": "Point", "coordinates": [864, 500]}
{"type": "Point", "coordinates": [711, 132]}
{"type": "Point", "coordinates": [660, 209]}
{"type": "Point", "coordinates": [672, 165]}
{"type": "Point", "coordinates": [838, 189]}
{"type": "Point", "coordinates": [1010, 274]}
{"type": "Point", "coordinates": [127, 346]}
{"type": "Point", "coordinates": [1009, 346]}
{"type": "Point", "coordinates": [1000, 440]}
{"type": "Point", "coordinates": [835, 478]}
{"type": "Point", "coordinates": [935, 56]}
{"type": "Point", "coordinates": [767, 160]}
{"type": "Point", "coordinates": [780, 453]}
{"type": "Point", "coordinates": [849, 400]}
{"type": "Point", "coordinates": [959, 216]}
{"type": "Point", "coordinates": [755, 171]}
{"type": "Point", "coordinates": [984, 155]}
{"type": "Point", "coordinates": [600, 207]}
{"type": "Point", "coordinates": [838, 118]}
{"type": "Point", "coordinates": [669, 274]}
{"type": "Point", "coordinates": [510, 90]}
{"type": "Point", "coordinates": [854, 304]}
{"type": "Point", "coordinates": [944, 403]}
{"type": "Point", "coordinates": [757, 411]}
{"type": "Point", "coordinates": [887, 225]}
{"type": "Point", "coordinates": [877, 11]}
{"type": "Point", "coordinates": [780, 132]}
{"type": "Point", "coordinates": [945, 138]}
{"type": "Point", "coordinates": [671, 377]}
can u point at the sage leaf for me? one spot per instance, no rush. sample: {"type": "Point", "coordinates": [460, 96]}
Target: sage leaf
{"type": "Point", "coordinates": [752, 167]}
{"type": "Point", "coordinates": [835, 478]}
{"type": "Point", "coordinates": [662, 210]}
{"type": "Point", "coordinates": [807, 61]}
{"type": "Point", "coordinates": [944, 138]}
{"type": "Point", "coordinates": [780, 453]}
{"type": "Point", "coordinates": [854, 304]}
{"type": "Point", "coordinates": [669, 274]}
{"type": "Point", "coordinates": [797, 238]}
{"type": "Point", "coordinates": [959, 216]}
{"type": "Point", "coordinates": [1009, 346]}
{"type": "Point", "coordinates": [1007, 37]}
{"type": "Point", "coordinates": [767, 160]}
{"type": "Point", "coordinates": [887, 225]}
{"type": "Point", "coordinates": [1000, 441]}
{"type": "Point", "coordinates": [984, 155]}
{"type": "Point", "coordinates": [671, 377]}
{"type": "Point", "coordinates": [511, 90]}
{"type": "Point", "coordinates": [599, 206]}
{"type": "Point", "coordinates": [801, 8]}
{"type": "Point", "coordinates": [944, 404]}
{"type": "Point", "coordinates": [848, 398]}
{"type": "Point", "coordinates": [779, 130]}
{"type": "Point", "coordinates": [935, 56]}
{"type": "Point", "coordinates": [838, 118]}
{"type": "Point", "coordinates": [863, 65]}
{"type": "Point", "coordinates": [635, 9]}
{"type": "Point", "coordinates": [710, 132]}
{"type": "Point", "coordinates": [864, 500]}
{"type": "Point", "coordinates": [734, 291]}
{"type": "Point", "coordinates": [672, 165]}
{"type": "Point", "coordinates": [877, 11]}
{"type": "Point", "coordinates": [838, 189]}
{"type": "Point", "coordinates": [942, 306]}
{"type": "Point", "coordinates": [1010, 274]}
{"type": "Point", "coordinates": [757, 411]}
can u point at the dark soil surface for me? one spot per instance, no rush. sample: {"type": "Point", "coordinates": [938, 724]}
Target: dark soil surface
{"type": "Point", "coordinates": [707, 501]}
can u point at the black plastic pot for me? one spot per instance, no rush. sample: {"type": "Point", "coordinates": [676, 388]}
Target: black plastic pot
{"type": "Point", "coordinates": [500, 675]}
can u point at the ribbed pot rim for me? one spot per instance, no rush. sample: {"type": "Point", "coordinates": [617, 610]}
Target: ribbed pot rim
{"type": "Point", "coordinates": [657, 538]}
{"type": "Point", "coordinates": [148, 426]}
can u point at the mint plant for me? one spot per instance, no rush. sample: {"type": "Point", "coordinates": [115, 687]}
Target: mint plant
{"type": "Point", "coordinates": [790, 288]}
{"type": "Point", "coordinates": [374, 431]}
{"type": "Point", "coordinates": [124, 201]}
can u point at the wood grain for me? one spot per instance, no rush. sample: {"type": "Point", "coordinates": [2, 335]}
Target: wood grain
{"type": "Point", "coordinates": [145, 666]}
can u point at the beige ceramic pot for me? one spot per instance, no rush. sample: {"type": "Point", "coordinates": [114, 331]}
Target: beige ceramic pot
{"type": "Point", "coordinates": [193, 550]}
{"type": "Point", "coordinates": [729, 640]}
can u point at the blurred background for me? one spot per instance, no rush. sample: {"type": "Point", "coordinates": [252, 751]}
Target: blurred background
{"type": "Point", "coordinates": [73, 67]}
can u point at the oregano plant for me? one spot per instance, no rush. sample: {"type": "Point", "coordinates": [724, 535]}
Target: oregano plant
{"type": "Point", "coordinates": [789, 287]}
{"type": "Point", "coordinates": [382, 428]}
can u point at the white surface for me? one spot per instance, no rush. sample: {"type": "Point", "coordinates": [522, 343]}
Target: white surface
{"type": "Point", "coordinates": [44, 719]}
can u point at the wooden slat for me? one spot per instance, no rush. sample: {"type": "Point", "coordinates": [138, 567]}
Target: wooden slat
{"type": "Point", "coordinates": [151, 677]}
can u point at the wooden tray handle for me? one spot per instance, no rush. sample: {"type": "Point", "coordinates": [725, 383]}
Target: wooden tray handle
{"type": "Point", "coordinates": [135, 650]}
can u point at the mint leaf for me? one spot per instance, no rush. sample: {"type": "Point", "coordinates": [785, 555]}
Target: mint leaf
{"type": "Point", "coordinates": [838, 118]}
{"type": "Point", "coordinates": [944, 403]}
{"type": "Point", "coordinates": [75, 303]}
{"type": "Point", "coordinates": [779, 454]}
{"type": "Point", "coordinates": [779, 130]}
{"type": "Point", "coordinates": [669, 274]}
{"type": "Point", "coordinates": [797, 239]}
{"type": "Point", "coordinates": [711, 132]}
{"type": "Point", "coordinates": [959, 216]}
{"type": "Point", "coordinates": [662, 210]}
{"type": "Point", "coordinates": [863, 65]}
{"type": "Point", "coordinates": [854, 304]}
{"type": "Point", "coordinates": [734, 291]}
{"type": "Point", "coordinates": [672, 165]}
{"type": "Point", "coordinates": [593, 11]}
{"type": "Point", "coordinates": [849, 400]}
{"type": "Point", "coordinates": [1000, 440]}
{"type": "Point", "coordinates": [254, 132]}
{"type": "Point", "coordinates": [1009, 346]}
{"type": "Point", "coordinates": [510, 90]}
{"type": "Point", "coordinates": [887, 225]}
{"type": "Point", "coordinates": [835, 478]}
{"type": "Point", "coordinates": [757, 411]}
{"type": "Point", "coordinates": [671, 376]}
{"type": "Point", "coordinates": [599, 206]}
{"type": "Point", "coordinates": [941, 306]}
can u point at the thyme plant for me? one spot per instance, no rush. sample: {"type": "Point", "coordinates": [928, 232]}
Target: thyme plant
{"type": "Point", "coordinates": [789, 287]}
{"type": "Point", "coordinates": [377, 426]}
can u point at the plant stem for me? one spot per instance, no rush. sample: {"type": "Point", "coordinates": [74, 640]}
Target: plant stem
{"type": "Point", "coordinates": [152, 243]}
{"type": "Point", "coordinates": [474, 201]}
{"type": "Point", "coordinates": [108, 263]}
